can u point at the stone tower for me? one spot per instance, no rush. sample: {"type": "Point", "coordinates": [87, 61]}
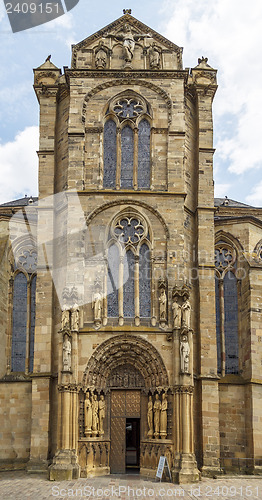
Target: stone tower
{"type": "Point", "coordinates": [138, 350]}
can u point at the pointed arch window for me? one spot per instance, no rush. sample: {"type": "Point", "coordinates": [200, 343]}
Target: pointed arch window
{"type": "Point", "coordinates": [226, 309]}
{"type": "Point", "coordinates": [127, 138]}
{"type": "Point", "coordinates": [23, 310]}
{"type": "Point", "coordinates": [129, 269]}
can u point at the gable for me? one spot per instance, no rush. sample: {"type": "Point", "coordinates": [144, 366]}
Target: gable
{"type": "Point", "coordinates": [127, 43]}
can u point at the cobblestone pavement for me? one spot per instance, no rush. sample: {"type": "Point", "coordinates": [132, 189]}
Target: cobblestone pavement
{"type": "Point", "coordinates": [22, 486]}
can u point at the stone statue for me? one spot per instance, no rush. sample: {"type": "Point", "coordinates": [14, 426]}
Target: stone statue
{"type": "Point", "coordinates": [186, 312]}
{"type": "Point", "coordinates": [88, 416]}
{"type": "Point", "coordinates": [157, 409]}
{"type": "Point", "coordinates": [65, 321]}
{"type": "Point", "coordinates": [163, 417]}
{"type": "Point", "coordinates": [129, 41]}
{"type": "Point", "coordinates": [154, 56]}
{"type": "Point", "coordinates": [97, 305]}
{"type": "Point", "coordinates": [75, 318]}
{"type": "Point", "coordinates": [94, 416]}
{"type": "Point", "coordinates": [66, 354]}
{"type": "Point", "coordinates": [101, 56]}
{"type": "Point", "coordinates": [162, 305]}
{"type": "Point", "coordinates": [177, 313]}
{"type": "Point", "coordinates": [101, 413]}
{"type": "Point", "coordinates": [150, 417]}
{"type": "Point", "coordinates": [184, 354]}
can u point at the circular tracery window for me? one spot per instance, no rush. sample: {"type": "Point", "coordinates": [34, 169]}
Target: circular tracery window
{"type": "Point", "coordinates": [129, 229]}
{"type": "Point", "coordinates": [129, 107]}
{"type": "Point", "coordinates": [225, 256]}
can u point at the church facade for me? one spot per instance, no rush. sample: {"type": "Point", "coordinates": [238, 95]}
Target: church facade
{"type": "Point", "coordinates": [131, 299]}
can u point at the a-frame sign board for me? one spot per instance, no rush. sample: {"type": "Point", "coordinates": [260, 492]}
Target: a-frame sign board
{"type": "Point", "coordinates": [163, 467]}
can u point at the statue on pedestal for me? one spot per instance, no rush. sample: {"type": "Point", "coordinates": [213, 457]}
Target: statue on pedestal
{"type": "Point", "coordinates": [154, 56]}
{"type": "Point", "coordinates": [186, 312]}
{"type": "Point", "coordinates": [101, 413]}
{"type": "Point", "coordinates": [75, 318]}
{"type": "Point", "coordinates": [97, 305]}
{"type": "Point", "coordinates": [88, 416]}
{"type": "Point", "coordinates": [150, 418]}
{"type": "Point", "coordinates": [66, 354]}
{"type": "Point", "coordinates": [65, 321]}
{"type": "Point", "coordinates": [94, 416]}
{"type": "Point", "coordinates": [157, 409]}
{"type": "Point", "coordinates": [184, 354]}
{"type": "Point", "coordinates": [177, 313]}
{"type": "Point", "coordinates": [162, 305]}
{"type": "Point", "coordinates": [163, 417]}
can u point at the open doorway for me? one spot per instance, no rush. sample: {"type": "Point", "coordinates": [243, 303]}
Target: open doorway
{"type": "Point", "coordinates": [132, 444]}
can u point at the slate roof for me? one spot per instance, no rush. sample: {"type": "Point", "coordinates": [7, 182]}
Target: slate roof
{"type": "Point", "coordinates": [22, 202]}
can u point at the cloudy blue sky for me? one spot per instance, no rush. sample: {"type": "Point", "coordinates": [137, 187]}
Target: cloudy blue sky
{"type": "Point", "coordinates": [228, 32]}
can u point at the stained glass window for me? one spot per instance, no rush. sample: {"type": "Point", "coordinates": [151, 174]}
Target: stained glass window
{"type": "Point", "coordinates": [143, 174]}
{"type": "Point", "coordinates": [231, 322]}
{"type": "Point", "coordinates": [129, 285]}
{"type": "Point", "coordinates": [19, 326]}
{"type": "Point", "coordinates": [110, 155]}
{"type": "Point", "coordinates": [127, 157]}
{"type": "Point", "coordinates": [144, 282]}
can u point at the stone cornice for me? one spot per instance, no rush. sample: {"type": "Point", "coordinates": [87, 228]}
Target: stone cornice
{"type": "Point", "coordinates": [237, 219]}
{"type": "Point", "coordinates": [127, 74]}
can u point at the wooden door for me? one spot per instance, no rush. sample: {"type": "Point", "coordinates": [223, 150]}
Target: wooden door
{"type": "Point", "coordinates": [124, 404]}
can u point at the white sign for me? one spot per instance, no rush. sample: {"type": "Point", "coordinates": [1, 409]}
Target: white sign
{"type": "Point", "coordinates": [163, 466]}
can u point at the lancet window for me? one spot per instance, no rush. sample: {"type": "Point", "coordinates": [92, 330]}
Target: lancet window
{"type": "Point", "coordinates": [127, 137]}
{"type": "Point", "coordinates": [226, 309]}
{"type": "Point", "coordinates": [129, 269]}
{"type": "Point", "coordinates": [23, 310]}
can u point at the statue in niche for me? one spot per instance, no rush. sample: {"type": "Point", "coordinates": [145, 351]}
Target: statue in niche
{"type": "Point", "coordinates": [150, 418]}
{"type": "Point", "coordinates": [177, 313]}
{"type": "Point", "coordinates": [65, 321]}
{"type": "Point", "coordinates": [97, 305]}
{"type": "Point", "coordinates": [186, 312]}
{"type": "Point", "coordinates": [88, 415]}
{"type": "Point", "coordinates": [184, 354]}
{"type": "Point", "coordinates": [162, 305]}
{"type": "Point", "coordinates": [101, 414]}
{"type": "Point", "coordinates": [154, 56]}
{"type": "Point", "coordinates": [101, 53]}
{"type": "Point", "coordinates": [67, 354]}
{"type": "Point", "coordinates": [94, 415]}
{"type": "Point", "coordinates": [157, 409]}
{"type": "Point", "coordinates": [163, 417]}
{"type": "Point", "coordinates": [75, 318]}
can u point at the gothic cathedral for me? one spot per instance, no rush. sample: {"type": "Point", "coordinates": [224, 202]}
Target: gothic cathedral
{"type": "Point", "coordinates": [131, 309]}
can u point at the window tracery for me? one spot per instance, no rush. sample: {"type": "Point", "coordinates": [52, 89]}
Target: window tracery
{"type": "Point", "coordinates": [127, 137]}
{"type": "Point", "coordinates": [129, 275]}
{"type": "Point", "coordinates": [23, 308]}
{"type": "Point", "coordinates": [226, 308]}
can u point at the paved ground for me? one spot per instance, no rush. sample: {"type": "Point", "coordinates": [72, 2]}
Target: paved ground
{"type": "Point", "coordinates": [22, 486]}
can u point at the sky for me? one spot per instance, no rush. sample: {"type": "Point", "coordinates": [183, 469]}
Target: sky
{"type": "Point", "coordinates": [228, 32]}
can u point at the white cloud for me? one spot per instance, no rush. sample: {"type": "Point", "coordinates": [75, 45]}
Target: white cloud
{"type": "Point", "coordinates": [255, 198]}
{"type": "Point", "coordinates": [221, 190]}
{"type": "Point", "coordinates": [229, 33]}
{"type": "Point", "coordinates": [18, 165]}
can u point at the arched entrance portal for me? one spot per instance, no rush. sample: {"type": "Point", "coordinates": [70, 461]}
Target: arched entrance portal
{"type": "Point", "coordinates": [122, 372]}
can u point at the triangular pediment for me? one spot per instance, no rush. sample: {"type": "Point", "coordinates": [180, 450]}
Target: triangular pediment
{"type": "Point", "coordinates": [113, 35]}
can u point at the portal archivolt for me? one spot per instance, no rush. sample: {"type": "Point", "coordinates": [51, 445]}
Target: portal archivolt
{"type": "Point", "coordinates": [125, 350]}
